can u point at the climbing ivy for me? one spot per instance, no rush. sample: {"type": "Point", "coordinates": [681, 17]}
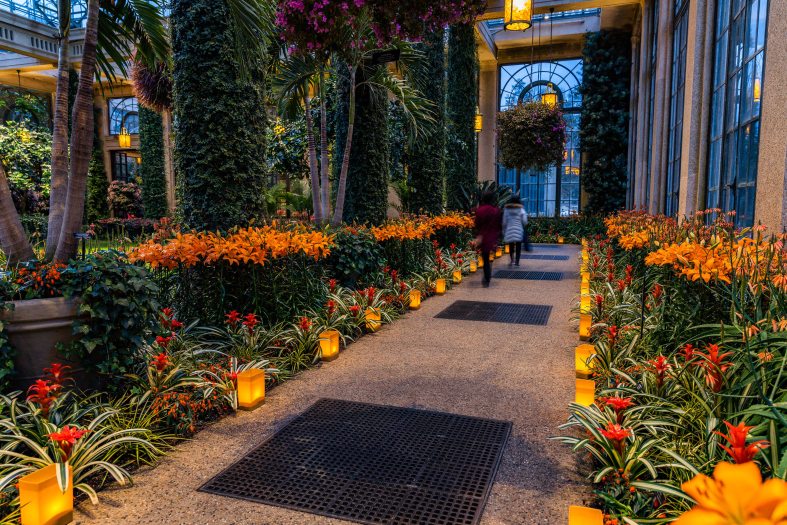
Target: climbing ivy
{"type": "Point", "coordinates": [604, 123]}
{"type": "Point", "coordinates": [461, 103]}
{"type": "Point", "coordinates": [151, 148]}
{"type": "Point", "coordinates": [426, 156]}
{"type": "Point", "coordinates": [220, 119]}
{"type": "Point", "coordinates": [366, 200]}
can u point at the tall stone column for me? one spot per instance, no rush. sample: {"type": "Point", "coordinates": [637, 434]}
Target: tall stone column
{"type": "Point", "coordinates": [633, 115]}
{"type": "Point", "coordinates": [771, 207]}
{"type": "Point", "coordinates": [658, 164]}
{"type": "Point", "coordinates": [643, 95]}
{"type": "Point", "coordinates": [696, 103]}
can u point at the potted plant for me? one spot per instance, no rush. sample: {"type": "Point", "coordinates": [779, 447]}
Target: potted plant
{"type": "Point", "coordinates": [532, 136]}
{"type": "Point", "coordinates": [36, 318]}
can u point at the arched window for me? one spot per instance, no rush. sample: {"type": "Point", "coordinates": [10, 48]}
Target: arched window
{"type": "Point", "coordinates": [123, 113]}
{"type": "Point", "coordinates": [554, 191]}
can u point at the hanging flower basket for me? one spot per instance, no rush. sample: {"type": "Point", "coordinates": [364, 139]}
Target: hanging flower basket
{"type": "Point", "coordinates": [532, 136]}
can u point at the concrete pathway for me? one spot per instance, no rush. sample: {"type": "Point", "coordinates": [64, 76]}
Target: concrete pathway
{"type": "Point", "coordinates": [519, 373]}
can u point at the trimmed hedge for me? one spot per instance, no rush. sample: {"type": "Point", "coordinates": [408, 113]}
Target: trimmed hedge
{"type": "Point", "coordinates": [426, 158]}
{"type": "Point", "coordinates": [604, 124]}
{"type": "Point", "coordinates": [366, 200]}
{"type": "Point", "coordinates": [462, 100]}
{"type": "Point", "coordinates": [219, 120]}
{"type": "Point", "coordinates": [151, 147]}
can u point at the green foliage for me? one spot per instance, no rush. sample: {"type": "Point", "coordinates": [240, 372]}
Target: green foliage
{"type": "Point", "coordinates": [26, 153]}
{"type": "Point", "coordinates": [531, 135]}
{"type": "Point", "coordinates": [355, 258]}
{"type": "Point", "coordinates": [277, 292]}
{"type": "Point", "coordinates": [471, 195]}
{"type": "Point", "coordinates": [7, 352]}
{"type": "Point", "coordinates": [96, 205]}
{"type": "Point", "coordinates": [118, 311]}
{"type": "Point", "coordinates": [397, 138]}
{"type": "Point", "coordinates": [462, 101]}
{"type": "Point", "coordinates": [604, 123]}
{"type": "Point", "coordinates": [573, 229]}
{"type": "Point", "coordinates": [220, 119]}
{"type": "Point", "coordinates": [286, 150]}
{"type": "Point", "coordinates": [19, 105]}
{"type": "Point", "coordinates": [426, 156]}
{"type": "Point", "coordinates": [151, 148]}
{"type": "Point", "coordinates": [367, 180]}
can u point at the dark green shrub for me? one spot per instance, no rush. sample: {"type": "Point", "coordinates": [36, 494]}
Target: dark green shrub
{"type": "Point", "coordinates": [119, 309]}
{"type": "Point", "coordinates": [151, 148]}
{"type": "Point", "coordinates": [6, 352]}
{"type": "Point", "coordinates": [462, 101]}
{"type": "Point", "coordinates": [355, 257]}
{"type": "Point", "coordinates": [426, 156]}
{"type": "Point", "coordinates": [407, 256]}
{"type": "Point", "coordinates": [366, 199]}
{"type": "Point", "coordinates": [605, 115]}
{"type": "Point", "coordinates": [573, 229]}
{"type": "Point", "coordinates": [220, 119]}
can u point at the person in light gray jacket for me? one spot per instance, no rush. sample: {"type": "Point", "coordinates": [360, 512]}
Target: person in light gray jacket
{"type": "Point", "coordinates": [514, 228]}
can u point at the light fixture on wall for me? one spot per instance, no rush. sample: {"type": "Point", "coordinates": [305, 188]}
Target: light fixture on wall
{"type": "Point", "coordinates": [479, 121]}
{"type": "Point", "coordinates": [757, 90]}
{"type": "Point", "coordinates": [518, 15]}
{"type": "Point", "coordinates": [124, 139]}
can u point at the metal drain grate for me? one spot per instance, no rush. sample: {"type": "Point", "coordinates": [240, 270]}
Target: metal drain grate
{"type": "Point", "coordinates": [529, 275]}
{"type": "Point", "coordinates": [373, 464]}
{"type": "Point", "coordinates": [545, 257]}
{"type": "Point", "coordinates": [548, 246]}
{"type": "Point", "coordinates": [534, 314]}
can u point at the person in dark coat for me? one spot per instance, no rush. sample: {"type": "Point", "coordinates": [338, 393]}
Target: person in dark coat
{"type": "Point", "coordinates": [488, 224]}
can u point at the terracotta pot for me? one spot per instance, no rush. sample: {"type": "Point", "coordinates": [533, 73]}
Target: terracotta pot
{"type": "Point", "coordinates": [34, 328]}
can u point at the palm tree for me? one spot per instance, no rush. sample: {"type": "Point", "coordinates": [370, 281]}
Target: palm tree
{"type": "Point", "coordinates": [12, 235]}
{"type": "Point", "coordinates": [113, 29]}
{"type": "Point", "coordinates": [297, 74]}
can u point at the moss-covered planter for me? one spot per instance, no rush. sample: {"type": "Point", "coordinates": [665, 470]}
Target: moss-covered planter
{"type": "Point", "coordinates": [34, 328]}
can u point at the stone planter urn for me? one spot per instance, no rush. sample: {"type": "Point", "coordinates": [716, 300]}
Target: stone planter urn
{"type": "Point", "coordinates": [34, 328]}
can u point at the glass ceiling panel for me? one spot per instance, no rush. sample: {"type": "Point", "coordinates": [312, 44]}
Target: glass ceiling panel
{"type": "Point", "coordinates": [45, 11]}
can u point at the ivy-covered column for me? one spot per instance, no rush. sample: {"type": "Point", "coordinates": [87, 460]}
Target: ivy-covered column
{"type": "Point", "coordinates": [366, 199]}
{"type": "Point", "coordinates": [604, 124]}
{"type": "Point", "coordinates": [461, 103]}
{"type": "Point", "coordinates": [219, 120]}
{"type": "Point", "coordinates": [426, 158]}
{"type": "Point", "coordinates": [151, 149]}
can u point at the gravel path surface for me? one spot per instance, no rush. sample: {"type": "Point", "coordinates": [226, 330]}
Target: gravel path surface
{"type": "Point", "coordinates": [519, 373]}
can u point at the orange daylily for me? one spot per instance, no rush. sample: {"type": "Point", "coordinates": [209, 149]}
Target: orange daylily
{"type": "Point", "coordinates": [736, 495]}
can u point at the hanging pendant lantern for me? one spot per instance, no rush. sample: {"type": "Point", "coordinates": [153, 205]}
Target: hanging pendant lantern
{"type": "Point", "coordinates": [518, 15]}
{"type": "Point", "coordinates": [124, 139]}
{"type": "Point", "coordinates": [550, 97]}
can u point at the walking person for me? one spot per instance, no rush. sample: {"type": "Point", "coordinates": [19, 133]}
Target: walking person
{"type": "Point", "coordinates": [487, 225]}
{"type": "Point", "coordinates": [514, 228]}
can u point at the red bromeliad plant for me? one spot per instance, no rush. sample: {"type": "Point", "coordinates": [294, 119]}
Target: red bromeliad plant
{"type": "Point", "coordinates": [738, 449]}
{"type": "Point", "coordinates": [716, 364]}
{"type": "Point", "coordinates": [43, 393]}
{"type": "Point", "coordinates": [65, 439]}
{"type": "Point", "coordinates": [617, 435]}
{"type": "Point", "coordinates": [618, 404]}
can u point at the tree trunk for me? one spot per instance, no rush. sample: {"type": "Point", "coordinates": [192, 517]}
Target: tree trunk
{"type": "Point", "coordinates": [325, 181]}
{"type": "Point", "coordinates": [338, 214]}
{"type": "Point", "coordinates": [81, 140]}
{"type": "Point", "coordinates": [313, 171]}
{"type": "Point", "coordinates": [59, 183]}
{"type": "Point", "coordinates": [13, 240]}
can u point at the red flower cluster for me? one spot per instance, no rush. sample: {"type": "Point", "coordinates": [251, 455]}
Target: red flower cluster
{"type": "Point", "coordinates": [305, 324]}
{"type": "Point", "coordinates": [168, 320]}
{"type": "Point", "coordinates": [660, 367]}
{"type": "Point", "coordinates": [715, 365]}
{"type": "Point", "coordinates": [617, 435]}
{"type": "Point", "coordinates": [43, 393]}
{"type": "Point", "coordinates": [160, 362]}
{"type": "Point", "coordinates": [66, 438]}
{"type": "Point", "coordinates": [739, 450]}
{"type": "Point", "coordinates": [232, 318]}
{"type": "Point", "coordinates": [331, 307]}
{"type": "Point", "coordinates": [618, 404]}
